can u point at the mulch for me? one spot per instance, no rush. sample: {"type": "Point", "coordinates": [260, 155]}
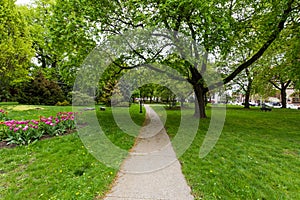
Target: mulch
{"type": "Point", "coordinates": [4, 144]}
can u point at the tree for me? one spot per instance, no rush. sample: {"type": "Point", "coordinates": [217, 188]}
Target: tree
{"type": "Point", "coordinates": [38, 16]}
{"type": "Point", "coordinates": [216, 26]}
{"type": "Point", "coordinates": [275, 72]}
{"type": "Point", "coordinates": [15, 47]}
{"type": "Point", "coordinates": [72, 35]}
{"type": "Point", "coordinates": [280, 63]}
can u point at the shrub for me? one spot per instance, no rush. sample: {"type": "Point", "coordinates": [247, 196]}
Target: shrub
{"type": "Point", "coordinates": [40, 91]}
{"type": "Point", "coordinates": [64, 103]}
{"type": "Point", "coordinates": [81, 99]}
{"type": "Point", "coordinates": [122, 104]}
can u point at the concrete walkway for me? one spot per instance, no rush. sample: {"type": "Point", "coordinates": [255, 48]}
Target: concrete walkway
{"type": "Point", "coordinates": [151, 171]}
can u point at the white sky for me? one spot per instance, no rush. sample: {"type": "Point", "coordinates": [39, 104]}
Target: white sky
{"type": "Point", "coordinates": [22, 2]}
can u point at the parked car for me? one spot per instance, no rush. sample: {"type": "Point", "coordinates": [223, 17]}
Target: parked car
{"type": "Point", "coordinates": [292, 106]}
{"type": "Point", "coordinates": [253, 104]}
{"type": "Point", "coordinates": [276, 105]}
{"type": "Point", "coordinates": [273, 104]}
{"type": "Point", "coordinates": [268, 104]}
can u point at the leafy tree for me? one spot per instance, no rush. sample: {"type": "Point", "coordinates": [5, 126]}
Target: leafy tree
{"type": "Point", "coordinates": [15, 47]}
{"type": "Point", "coordinates": [72, 35]}
{"type": "Point", "coordinates": [38, 16]}
{"type": "Point", "coordinates": [244, 81]}
{"type": "Point", "coordinates": [216, 26]}
{"type": "Point", "coordinates": [275, 72]}
{"type": "Point", "coordinates": [280, 63]}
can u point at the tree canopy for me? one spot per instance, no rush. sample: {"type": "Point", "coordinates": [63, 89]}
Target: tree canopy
{"type": "Point", "coordinates": [218, 26]}
{"type": "Point", "coordinates": [60, 34]}
{"type": "Point", "coordinates": [15, 47]}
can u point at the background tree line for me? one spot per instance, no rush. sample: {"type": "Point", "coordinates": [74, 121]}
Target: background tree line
{"type": "Point", "coordinates": [253, 43]}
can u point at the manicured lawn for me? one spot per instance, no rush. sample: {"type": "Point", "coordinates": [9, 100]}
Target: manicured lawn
{"type": "Point", "coordinates": [60, 167]}
{"type": "Point", "coordinates": [257, 156]}
{"type": "Point", "coordinates": [20, 112]}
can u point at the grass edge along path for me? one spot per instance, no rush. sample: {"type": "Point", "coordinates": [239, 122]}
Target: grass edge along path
{"type": "Point", "coordinates": [60, 167]}
{"type": "Point", "coordinates": [256, 157]}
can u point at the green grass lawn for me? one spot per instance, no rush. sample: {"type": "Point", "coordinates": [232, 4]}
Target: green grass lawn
{"type": "Point", "coordinates": [19, 112]}
{"type": "Point", "coordinates": [257, 156]}
{"type": "Point", "coordinates": [60, 167]}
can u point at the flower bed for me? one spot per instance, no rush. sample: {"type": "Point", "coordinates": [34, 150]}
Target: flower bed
{"type": "Point", "coordinates": [27, 131]}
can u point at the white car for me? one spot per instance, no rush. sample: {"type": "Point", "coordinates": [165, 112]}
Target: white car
{"type": "Point", "coordinates": [273, 104]}
{"type": "Point", "coordinates": [291, 106]}
{"type": "Point", "coordinates": [269, 104]}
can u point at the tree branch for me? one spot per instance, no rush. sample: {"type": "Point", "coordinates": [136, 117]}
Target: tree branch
{"type": "Point", "coordinates": [261, 51]}
{"type": "Point", "coordinates": [274, 84]}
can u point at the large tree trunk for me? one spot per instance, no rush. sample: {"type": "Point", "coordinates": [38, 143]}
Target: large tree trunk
{"type": "Point", "coordinates": [247, 99]}
{"type": "Point", "coordinates": [248, 93]}
{"type": "Point", "coordinates": [199, 101]}
{"type": "Point", "coordinates": [248, 89]}
{"type": "Point", "coordinates": [283, 97]}
{"type": "Point", "coordinates": [283, 88]}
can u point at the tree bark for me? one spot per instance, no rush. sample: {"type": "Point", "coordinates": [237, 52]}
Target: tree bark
{"type": "Point", "coordinates": [283, 97]}
{"type": "Point", "coordinates": [247, 98]}
{"type": "Point", "coordinates": [248, 90]}
{"type": "Point", "coordinates": [199, 101]}
{"type": "Point", "coordinates": [283, 92]}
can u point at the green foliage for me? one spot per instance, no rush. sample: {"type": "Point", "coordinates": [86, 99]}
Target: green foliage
{"type": "Point", "coordinates": [71, 35]}
{"type": "Point", "coordinates": [64, 103]}
{"type": "Point", "coordinates": [22, 136]}
{"type": "Point", "coordinates": [81, 99]}
{"type": "Point", "coordinates": [9, 103]}
{"type": "Point", "coordinates": [62, 33]}
{"type": "Point", "coordinates": [40, 91]}
{"type": "Point", "coordinates": [15, 47]}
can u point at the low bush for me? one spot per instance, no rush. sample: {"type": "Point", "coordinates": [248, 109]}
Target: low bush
{"type": "Point", "coordinates": [64, 103]}
{"type": "Point", "coordinates": [81, 99]}
{"type": "Point", "coordinates": [40, 91]}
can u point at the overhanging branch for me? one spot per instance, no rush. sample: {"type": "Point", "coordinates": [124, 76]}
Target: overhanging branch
{"type": "Point", "coordinates": [261, 51]}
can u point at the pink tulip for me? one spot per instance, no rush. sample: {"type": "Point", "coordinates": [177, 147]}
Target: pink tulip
{"type": "Point", "coordinates": [25, 128]}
